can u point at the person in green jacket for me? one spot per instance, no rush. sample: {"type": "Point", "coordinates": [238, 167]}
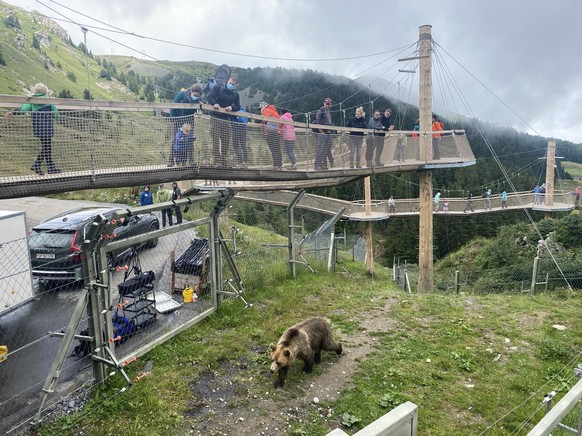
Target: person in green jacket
{"type": "Point", "coordinates": [43, 116]}
{"type": "Point", "coordinates": [162, 196]}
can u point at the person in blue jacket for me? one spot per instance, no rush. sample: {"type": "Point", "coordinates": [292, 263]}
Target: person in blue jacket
{"type": "Point", "coordinates": [184, 145]}
{"type": "Point", "coordinates": [178, 116]}
{"type": "Point", "coordinates": [239, 138]}
{"type": "Point", "coordinates": [146, 197]}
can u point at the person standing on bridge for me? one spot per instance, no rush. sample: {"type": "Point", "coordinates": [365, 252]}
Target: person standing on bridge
{"type": "Point", "coordinates": [271, 133]}
{"type": "Point", "coordinates": [375, 140]}
{"type": "Point", "coordinates": [179, 117]}
{"type": "Point", "coordinates": [239, 139]}
{"type": "Point", "coordinates": [225, 99]}
{"type": "Point", "coordinates": [43, 116]}
{"type": "Point", "coordinates": [537, 195]}
{"type": "Point", "coordinates": [504, 199]}
{"type": "Point", "coordinates": [391, 205]}
{"type": "Point", "coordinates": [469, 204]}
{"type": "Point", "coordinates": [437, 126]}
{"type": "Point", "coordinates": [386, 121]}
{"type": "Point", "coordinates": [164, 196]}
{"type": "Point", "coordinates": [356, 138]}
{"type": "Point", "coordinates": [437, 199]}
{"type": "Point", "coordinates": [487, 199]}
{"type": "Point", "coordinates": [288, 134]}
{"type": "Point", "coordinates": [577, 197]}
{"type": "Point", "coordinates": [324, 137]}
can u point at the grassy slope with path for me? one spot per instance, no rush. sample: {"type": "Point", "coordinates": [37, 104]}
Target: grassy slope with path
{"type": "Point", "coordinates": [465, 360]}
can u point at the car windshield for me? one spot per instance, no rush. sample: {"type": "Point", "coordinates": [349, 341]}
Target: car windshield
{"type": "Point", "coordinates": [59, 238]}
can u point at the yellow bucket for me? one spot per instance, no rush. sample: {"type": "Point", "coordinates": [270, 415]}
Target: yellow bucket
{"type": "Point", "coordinates": [188, 293]}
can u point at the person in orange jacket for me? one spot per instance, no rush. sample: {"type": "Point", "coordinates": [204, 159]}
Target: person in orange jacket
{"type": "Point", "coordinates": [271, 131]}
{"type": "Point", "coordinates": [437, 126]}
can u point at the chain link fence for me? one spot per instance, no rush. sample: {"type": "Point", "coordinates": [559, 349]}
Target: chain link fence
{"type": "Point", "coordinates": [101, 287]}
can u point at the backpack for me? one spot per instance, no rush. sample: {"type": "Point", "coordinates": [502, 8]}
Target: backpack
{"type": "Point", "coordinates": [221, 76]}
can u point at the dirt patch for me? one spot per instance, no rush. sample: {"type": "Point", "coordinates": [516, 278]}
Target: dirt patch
{"type": "Point", "coordinates": [239, 398]}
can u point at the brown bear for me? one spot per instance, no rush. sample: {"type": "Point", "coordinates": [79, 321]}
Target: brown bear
{"type": "Point", "coordinates": [304, 341]}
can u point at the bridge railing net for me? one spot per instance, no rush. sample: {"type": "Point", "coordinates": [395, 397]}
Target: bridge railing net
{"type": "Point", "coordinates": [97, 140]}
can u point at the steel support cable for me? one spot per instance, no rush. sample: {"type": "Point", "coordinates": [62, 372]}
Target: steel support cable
{"type": "Point", "coordinates": [489, 90]}
{"type": "Point", "coordinates": [568, 366]}
{"type": "Point", "coordinates": [441, 87]}
{"type": "Point", "coordinates": [445, 73]}
{"type": "Point", "coordinates": [502, 168]}
{"type": "Point", "coordinates": [347, 58]}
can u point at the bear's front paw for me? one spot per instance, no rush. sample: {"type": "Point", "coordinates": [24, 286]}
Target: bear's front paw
{"type": "Point", "coordinates": [278, 384]}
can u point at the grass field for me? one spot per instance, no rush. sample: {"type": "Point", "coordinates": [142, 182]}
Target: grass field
{"type": "Point", "coordinates": [473, 365]}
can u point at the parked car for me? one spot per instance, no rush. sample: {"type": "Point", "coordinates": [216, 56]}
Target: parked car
{"type": "Point", "coordinates": [55, 244]}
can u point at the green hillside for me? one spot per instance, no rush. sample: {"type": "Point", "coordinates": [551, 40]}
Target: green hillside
{"type": "Point", "coordinates": [36, 49]}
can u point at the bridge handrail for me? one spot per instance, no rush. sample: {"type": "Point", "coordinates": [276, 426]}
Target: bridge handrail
{"type": "Point", "coordinates": [14, 101]}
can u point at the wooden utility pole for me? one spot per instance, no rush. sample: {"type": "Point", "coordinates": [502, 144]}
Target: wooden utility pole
{"type": "Point", "coordinates": [425, 249]}
{"type": "Point", "coordinates": [368, 212]}
{"type": "Point", "coordinates": [550, 164]}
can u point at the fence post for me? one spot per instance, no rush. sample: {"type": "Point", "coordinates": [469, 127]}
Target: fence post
{"type": "Point", "coordinates": [534, 274]}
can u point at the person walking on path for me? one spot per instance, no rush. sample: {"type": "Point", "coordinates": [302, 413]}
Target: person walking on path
{"type": "Point", "coordinates": [487, 199]}
{"type": "Point", "coordinates": [43, 116]}
{"type": "Point", "coordinates": [163, 196]}
{"type": "Point", "coordinates": [469, 204]}
{"type": "Point", "coordinates": [577, 197]}
{"type": "Point", "coordinates": [504, 200]}
{"type": "Point", "coordinates": [437, 199]}
{"type": "Point", "coordinates": [146, 197]}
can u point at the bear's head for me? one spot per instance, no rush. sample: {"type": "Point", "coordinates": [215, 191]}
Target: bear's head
{"type": "Point", "coordinates": [280, 357]}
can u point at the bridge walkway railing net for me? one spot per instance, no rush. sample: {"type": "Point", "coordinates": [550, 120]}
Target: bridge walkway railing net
{"type": "Point", "coordinates": [118, 140]}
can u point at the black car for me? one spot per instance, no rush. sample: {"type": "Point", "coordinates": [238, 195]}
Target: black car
{"type": "Point", "coordinates": [55, 244]}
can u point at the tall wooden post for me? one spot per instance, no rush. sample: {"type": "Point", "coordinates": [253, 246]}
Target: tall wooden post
{"type": "Point", "coordinates": [425, 249]}
{"type": "Point", "coordinates": [550, 164]}
{"type": "Point", "coordinates": [368, 212]}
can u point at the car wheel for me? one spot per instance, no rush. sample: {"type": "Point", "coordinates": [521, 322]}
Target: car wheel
{"type": "Point", "coordinates": [44, 285]}
{"type": "Point", "coordinates": [153, 242]}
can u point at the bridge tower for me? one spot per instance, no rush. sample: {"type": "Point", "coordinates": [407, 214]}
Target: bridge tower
{"type": "Point", "coordinates": [425, 249]}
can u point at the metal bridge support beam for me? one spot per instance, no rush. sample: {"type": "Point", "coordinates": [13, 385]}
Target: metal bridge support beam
{"type": "Point", "coordinates": [215, 247]}
{"type": "Point", "coordinates": [291, 231]}
{"type": "Point", "coordinates": [88, 300]}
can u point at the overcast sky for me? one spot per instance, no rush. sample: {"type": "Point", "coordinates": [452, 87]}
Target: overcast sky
{"type": "Point", "coordinates": [527, 53]}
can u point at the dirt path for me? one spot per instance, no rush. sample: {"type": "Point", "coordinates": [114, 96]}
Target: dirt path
{"type": "Point", "coordinates": [227, 402]}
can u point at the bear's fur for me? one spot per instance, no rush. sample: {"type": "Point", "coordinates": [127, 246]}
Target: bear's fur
{"type": "Point", "coordinates": [304, 341]}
